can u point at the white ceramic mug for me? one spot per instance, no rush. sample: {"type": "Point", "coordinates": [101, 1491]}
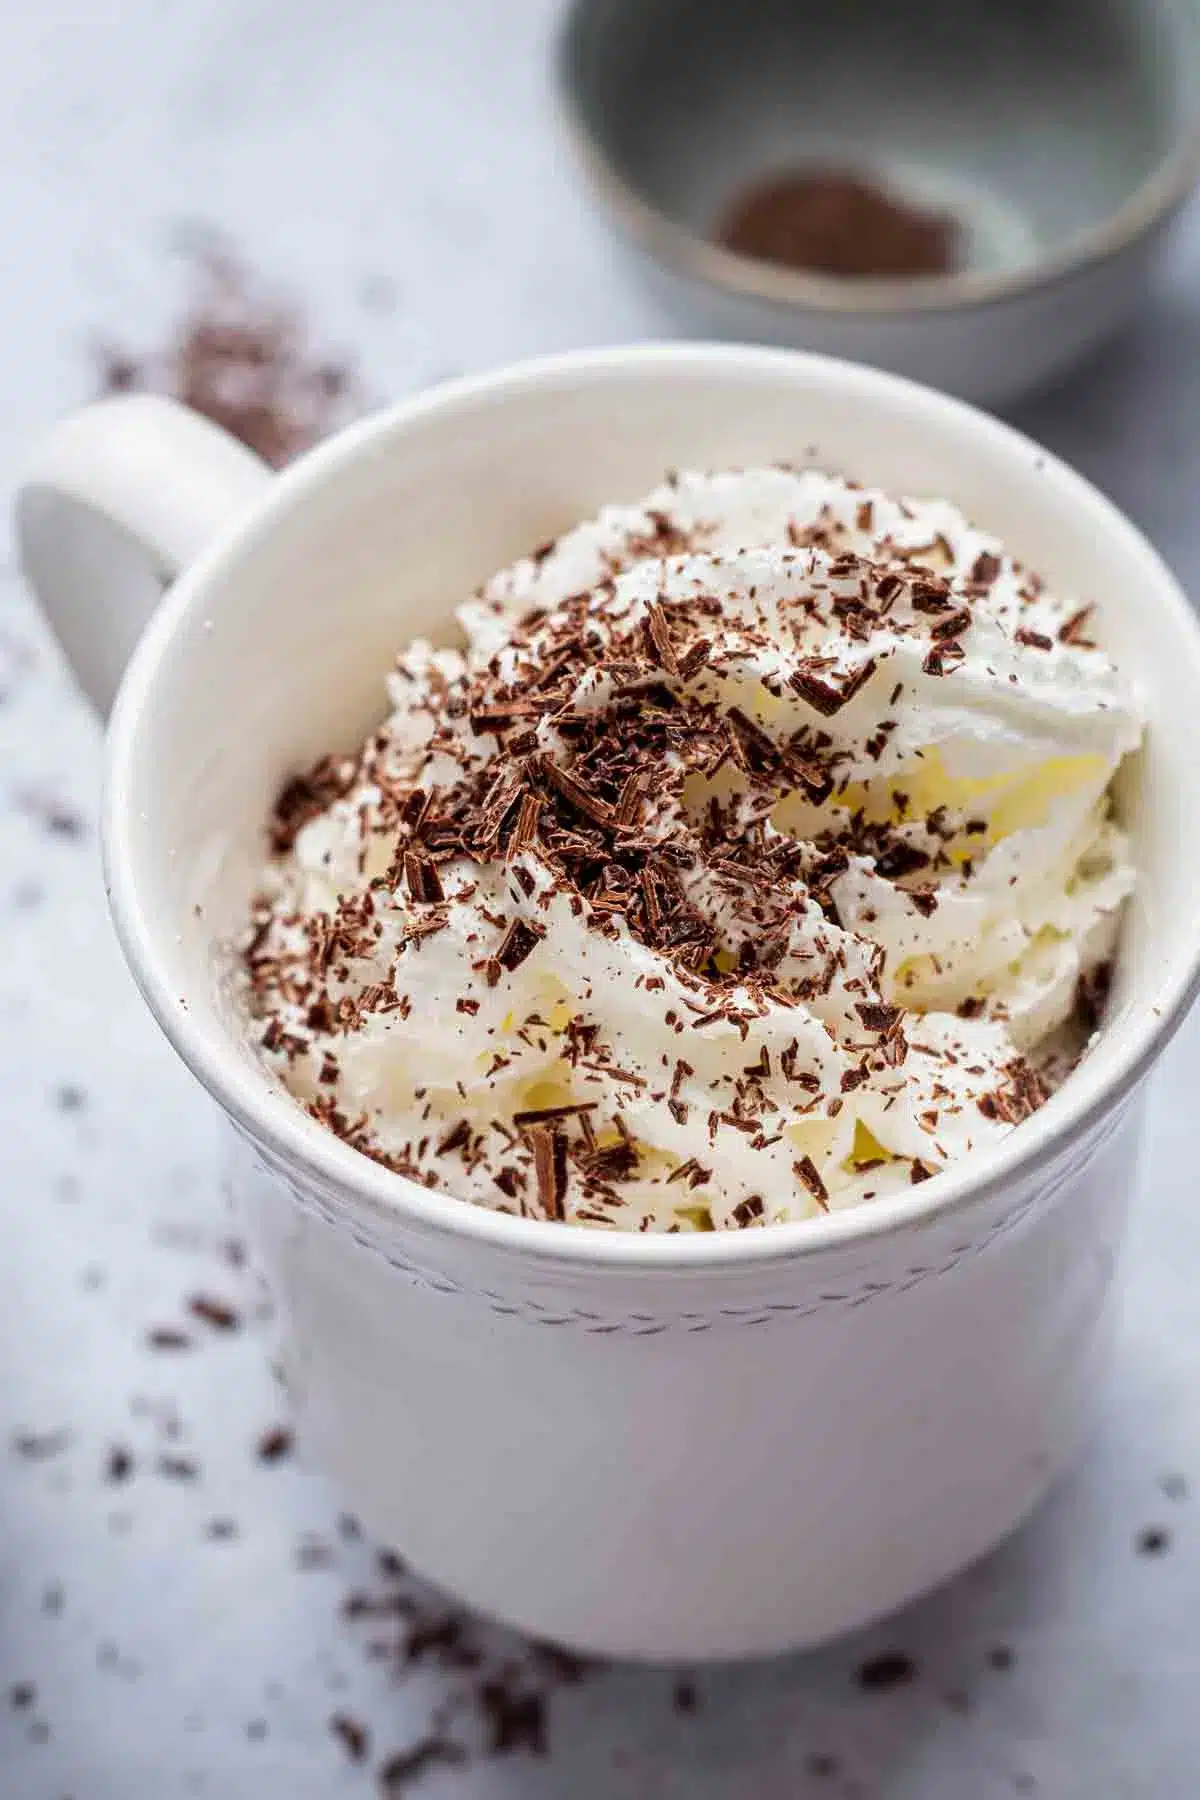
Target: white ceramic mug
{"type": "Point", "coordinates": [711, 1445]}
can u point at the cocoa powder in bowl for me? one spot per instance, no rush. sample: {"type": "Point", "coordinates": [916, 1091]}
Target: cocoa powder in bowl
{"type": "Point", "coordinates": [831, 223]}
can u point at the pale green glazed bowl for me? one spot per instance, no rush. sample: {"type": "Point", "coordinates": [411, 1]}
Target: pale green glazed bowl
{"type": "Point", "coordinates": [1063, 134]}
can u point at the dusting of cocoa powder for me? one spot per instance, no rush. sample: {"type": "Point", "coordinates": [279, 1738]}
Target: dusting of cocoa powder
{"type": "Point", "coordinates": [245, 359]}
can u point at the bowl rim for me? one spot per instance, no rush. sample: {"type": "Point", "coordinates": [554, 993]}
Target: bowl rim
{"type": "Point", "coordinates": [700, 260]}
{"type": "Point", "coordinates": [306, 1150]}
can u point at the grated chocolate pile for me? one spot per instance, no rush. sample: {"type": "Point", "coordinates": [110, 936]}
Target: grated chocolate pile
{"type": "Point", "coordinates": [589, 800]}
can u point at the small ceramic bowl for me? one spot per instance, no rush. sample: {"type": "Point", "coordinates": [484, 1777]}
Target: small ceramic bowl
{"type": "Point", "coordinates": [1062, 135]}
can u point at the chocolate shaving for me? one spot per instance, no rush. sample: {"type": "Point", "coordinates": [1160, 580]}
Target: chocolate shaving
{"type": "Point", "coordinates": [822, 695]}
{"type": "Point", "coordinates": [542, 1115]}
{"type": "Point", "coordinates": [457, 1138]}
{"type": "Point", "coordinates": [167, 1337]}
{"type": "Point", "coordinates": [931, 597]}
{"type": "Point", "coordinates": [39, 1446]}
{"type": "Point", "coordinates": [1072, 630]}
{"type": "Point", "coordinates": [524, 831]}
{"type": "Point", "coordinates": [691, 1171]}
{"type": "Point", "coordinates": [952, 623]}
{"type": "Point", "coordinates": [575, 793]}
{"type": "Point", "coordinates": [274, 1445]}
{"type": "Point", "coordinates": [658, 638]}
{"type": "Point", "coordinates": [424, 884]}
{"type": "Point", "coordinates": [518, 942]}
{"type": "Point", "coordinates": [1092, 994]}
{"type": "Point", "coordinates": [748, 1211]}
{"type": "Point", "coordinates": [879, 1018]}
{"type": "Point", "coordinates": [401, 1770]}
{"type": "Point", "coordinates": [353, 1736]}
{"type": "Point", "coordinates": [550, 1168]}
{"type": "Point", "coordinates": [901, 859]}
{"type": "Point", "coordinates": [694, 659]}
{"type": "Point", "coordinates": [942, 657]}
{"type": "Point", "coordinates": [216, 1313]}
{"type": "Point", "coordinates": [809, 1175]}
{"type": "Point", "coordinates": [500, 797]}
{"type": "Point", "coordinates": [515, 1721]}
{"type": "Point", "coordinates": [307, 796]}
{"type": "Point", "coordinates": [986, 568]}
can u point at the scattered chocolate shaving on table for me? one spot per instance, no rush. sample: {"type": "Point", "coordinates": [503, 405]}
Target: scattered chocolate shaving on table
{"type": "Point", "coordinates": [217, 1313]}
{"type": "Point", "coordinates": [56, 816]}
{"type": "Point", "coordinates": [41, 1446]}
{"type": "Point", "coordinates": [359, 1605]}
{"type": "Point", "coordinates": [353, 1736]}
{"type": "Point", "coordinates": [830, 222]}
{"type": "Point", "coordinates": [1153, 1540]}
{"type": "Point", "coordinates": [275, 1445]}
{"type": "Point", "coordinates": [243, 358]}
{"type": "Point", "coordinates": [178, 1468]}
{"type": "Point", "coordinates": [312, 1552]}
{"type": "Point", "coordinates": [505, 1683]}
{"type": "Point", "coordinates": [444, 1639]}
{"type": "Point", "coordinates": [566, 1667]}
{"type": "Point", "coordinates": [515, 1721]}
{"type": "Point", "coordinates": [891, 1669]}
{"type": "Point", "coordinates": [118, 1464]}
{"type": "Point", "coordinates": [401, 1770]}
{"type": "Point", "coordinates": [168, 1337]}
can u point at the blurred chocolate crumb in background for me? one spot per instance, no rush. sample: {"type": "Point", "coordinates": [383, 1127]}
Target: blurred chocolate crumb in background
{"type": "Point", "coordinates": [831, 223]}
{"type": "Point", "coordinates": [245, 360]}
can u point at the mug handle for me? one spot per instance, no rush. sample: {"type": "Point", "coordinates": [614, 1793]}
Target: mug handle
{"type": "Point", "coordinates": [120, 498]}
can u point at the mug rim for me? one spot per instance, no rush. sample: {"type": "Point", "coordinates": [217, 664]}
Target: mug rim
{"type": "Point", "coordinates": [278, 1125]}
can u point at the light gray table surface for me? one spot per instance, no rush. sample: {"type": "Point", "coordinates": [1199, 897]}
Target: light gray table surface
{"type": "Point", "coordinates": [415, 141]}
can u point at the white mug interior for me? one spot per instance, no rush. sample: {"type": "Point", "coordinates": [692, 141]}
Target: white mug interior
{"type": "Point", "coordinates": [271, 651]}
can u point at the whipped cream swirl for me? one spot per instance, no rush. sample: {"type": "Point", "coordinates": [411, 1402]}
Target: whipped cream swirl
{"type": "Point", "coordinates": [754, 857]}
